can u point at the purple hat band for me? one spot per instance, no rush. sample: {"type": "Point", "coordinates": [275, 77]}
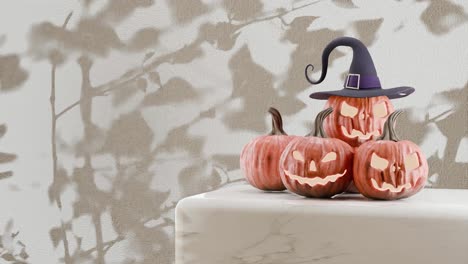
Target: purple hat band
{"type": "Point", "coordinates": [361, 82]}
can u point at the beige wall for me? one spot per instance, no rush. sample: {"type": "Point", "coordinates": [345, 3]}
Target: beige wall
{"type": "Point", "coordinates": [155, 99]}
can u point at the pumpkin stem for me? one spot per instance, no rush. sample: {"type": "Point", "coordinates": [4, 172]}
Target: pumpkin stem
{"type": "Point", "coordinates": [276, 122]}
{"type": "Point", "coordinates": [389, 127]}
{"type": "Point", "coordinates": [319, 132]}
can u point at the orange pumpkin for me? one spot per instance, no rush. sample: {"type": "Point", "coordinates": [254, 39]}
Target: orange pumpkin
{"type": "Point", "coordinates": [316, 166]}
{"type": "Point", "coordinates": [357, 120]}
{"type": "Point", "coordinates": [260, 157]}
{"type": "Point", "coordinates": [389, 169]}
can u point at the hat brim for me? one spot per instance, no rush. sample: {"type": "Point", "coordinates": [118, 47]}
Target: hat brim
{"type": "Point", "coordinates": [392, 93]}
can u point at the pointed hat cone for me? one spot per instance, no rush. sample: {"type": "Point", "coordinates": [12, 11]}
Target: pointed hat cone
{"type": "Point", "coordinates": [362, 80]}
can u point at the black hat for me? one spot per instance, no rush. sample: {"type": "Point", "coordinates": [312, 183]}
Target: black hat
{"type": "Point", "coordinates": [362, 80]}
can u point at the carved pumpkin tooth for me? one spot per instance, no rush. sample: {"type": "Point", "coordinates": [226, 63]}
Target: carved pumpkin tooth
{"type": "Point", "coordinates": [413, 180]}
{"type": "Point", "coordinates": [312, 166]}
{"type": "Point", "coordinates": [401, 176]}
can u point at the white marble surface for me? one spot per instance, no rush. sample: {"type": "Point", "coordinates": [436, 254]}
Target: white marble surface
{"type": "Point", "coordinates": [241, 225]}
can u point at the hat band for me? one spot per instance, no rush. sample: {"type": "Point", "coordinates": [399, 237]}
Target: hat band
{"type": "Point", "coordinates": [357, 81]}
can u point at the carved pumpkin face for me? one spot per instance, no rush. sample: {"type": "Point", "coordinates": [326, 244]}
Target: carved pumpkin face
{"type": "Point", "coordinates": [316, 167]}
{"type": "Point", "coordinates": [389, 170]}
{"type": "Point", "coordinates": [357, 120]}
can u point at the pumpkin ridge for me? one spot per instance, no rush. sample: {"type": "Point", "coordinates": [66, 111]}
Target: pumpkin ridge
{"type": "Point", "coordinates": [259, 159]}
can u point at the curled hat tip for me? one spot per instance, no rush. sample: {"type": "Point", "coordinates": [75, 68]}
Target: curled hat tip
{"type": "Point", "coordinates": [307, 74]}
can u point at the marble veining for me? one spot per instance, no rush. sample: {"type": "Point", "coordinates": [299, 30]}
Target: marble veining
{"type": "Point", "coordinates": [240, 225]}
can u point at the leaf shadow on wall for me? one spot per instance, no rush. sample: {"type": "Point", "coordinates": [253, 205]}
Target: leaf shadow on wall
{"type": "Point", "coordinates": [253, 85]}
{"type": "Point", "coordinates": [12, 75]}
{"type": "Point", "coordinates": [116, 11]}
{"type": "Point", "coordinates": [442, 16]}
{"type": "Point", "coordinates": [11, 248]}
{"type": "Point", "coordinates": [310, 45]}
{"type": "Point", "coordinates": [453, 124]}
{"type": "Point", "coordinates": [5, 157]}
{"type": "Point", "coordinates": [94, 35]}
{"type": "Point", "coordinates": [184, 11]}
{"type": "Point", "coordinates": [344, 3]}
{"type": "Point", "coordinates": [242, 10]}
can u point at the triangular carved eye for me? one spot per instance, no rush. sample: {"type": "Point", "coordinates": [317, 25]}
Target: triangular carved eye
{"type": "Point", "coordinates": [380, 110]}
{"type": "Point", "coordinates": [411, 162]}
{"type": "Point", "coordinates": [298, 156]}
{"type": "Point", "coordinates": [378, 162]}
{"type": "Point", "coordinates": [347, 110]}
{"type": "Point", "coordinates": [331, 156]}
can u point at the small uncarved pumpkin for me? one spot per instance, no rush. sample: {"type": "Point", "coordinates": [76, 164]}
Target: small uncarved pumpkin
{"type": "Point", "coordinates": [260, 157]}
{"type": "Point", "coordinates": [357, 120]}
{"type": "Point", "coordinates": [316, 166]}
{"type": "Point", "coordinates": [389, 169]}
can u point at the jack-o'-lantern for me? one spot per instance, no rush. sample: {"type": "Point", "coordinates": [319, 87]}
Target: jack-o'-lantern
{"type": "Point", "coordinates": [357, 120]}
{"type": "Point", "coordinates": [316, 166]}
{"type": "Point", "coordinates": [389, 169]}
{"type": "Point", "coordinates": [362, 106]}
{"type": "Point", "coordinates": [260, 157]}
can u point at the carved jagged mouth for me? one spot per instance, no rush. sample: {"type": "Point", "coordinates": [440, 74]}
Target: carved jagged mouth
{"type": "Point", "coordinates": [389, 187]}
{"type": "Point", "coordinates": [357, 133]}
{"type": "Point", "coordinates": [316, 180]}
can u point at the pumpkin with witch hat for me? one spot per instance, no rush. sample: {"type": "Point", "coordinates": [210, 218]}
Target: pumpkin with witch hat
{"type": "Point", "coordinates": [355, 116]}
{"type": "Point", "coordinates": [362, 106]}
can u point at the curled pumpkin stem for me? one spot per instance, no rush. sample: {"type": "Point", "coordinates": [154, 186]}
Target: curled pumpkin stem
{"type": "Point", "coordinates": [276, 122]}
{"type": "Point", "coordinates": [389, 127]}
{"type": "Point", "coordinates": [318, 131]}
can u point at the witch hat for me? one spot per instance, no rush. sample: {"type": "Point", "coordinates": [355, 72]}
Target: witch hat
{"type": "Point", "coordinates": [362, 80]}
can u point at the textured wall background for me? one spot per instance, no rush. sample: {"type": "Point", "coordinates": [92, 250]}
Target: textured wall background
{"type": "Point", "coordinates": [111, 111]}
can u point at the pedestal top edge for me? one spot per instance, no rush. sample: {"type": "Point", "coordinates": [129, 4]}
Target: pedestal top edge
{"type": "Point", "coordinates": [241, 196]}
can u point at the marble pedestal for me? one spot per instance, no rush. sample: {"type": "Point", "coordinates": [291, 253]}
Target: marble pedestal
{"type": "Point", "coordinates": [239, 224]}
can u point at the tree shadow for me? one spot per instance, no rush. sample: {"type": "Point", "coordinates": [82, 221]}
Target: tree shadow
{"type": "Point", "coordinates": [121, 187]}
{"type": "Point", "coordinates": [130, 201]}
